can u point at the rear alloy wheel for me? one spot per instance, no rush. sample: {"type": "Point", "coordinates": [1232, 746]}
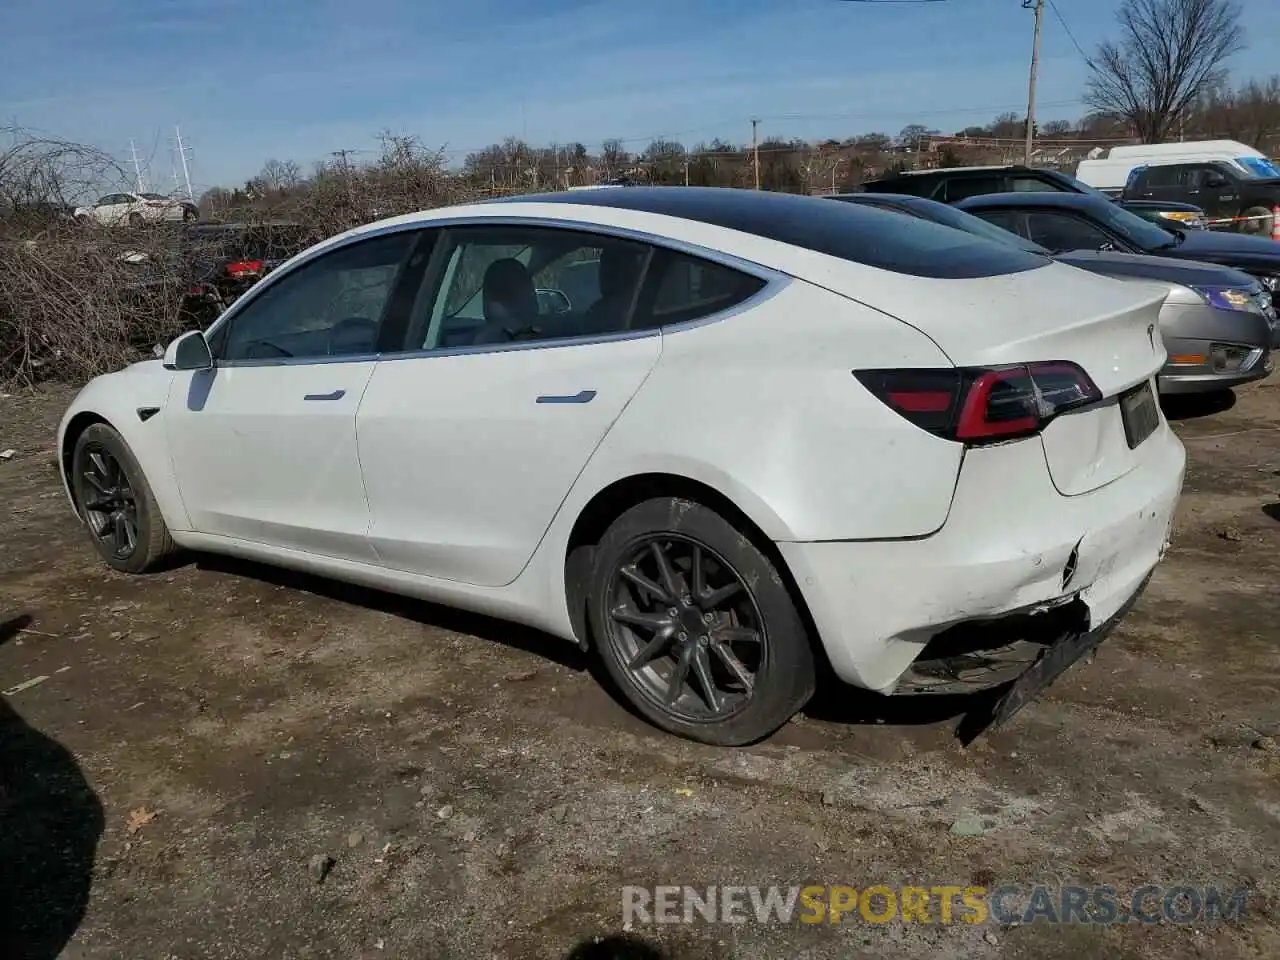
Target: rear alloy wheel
{"type": "Point", "coordinates": [190, 214]}
{"type": "Point", "coordinates": [135, 220]}
{"type": "Point", "coordinates": [116, 503]}
{"type": "Point", "coordinates": [695, 626]}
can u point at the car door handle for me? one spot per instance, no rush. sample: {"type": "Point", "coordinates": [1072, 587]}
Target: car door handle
{"type": "Point", "coordinates": [335, 395]}
{"type": "Point", "coordinates": [582, 396]}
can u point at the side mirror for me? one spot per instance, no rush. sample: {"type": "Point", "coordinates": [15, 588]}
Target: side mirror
{"type": "Point", "coordinates": [189, 352]}
{"type": "Point", "coordinates": [552, 301]}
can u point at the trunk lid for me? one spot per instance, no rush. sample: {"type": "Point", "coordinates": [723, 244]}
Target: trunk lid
{"type": "Point", "coordinates": [1107, 326]}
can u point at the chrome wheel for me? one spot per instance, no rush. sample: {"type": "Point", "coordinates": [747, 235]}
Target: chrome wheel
{"type": "Point", "coordinates": [110, 507]}
{"type": "Point", "coordinates": [686, 627]}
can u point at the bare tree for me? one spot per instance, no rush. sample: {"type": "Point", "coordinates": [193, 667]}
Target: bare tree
{"type": "Point", "coordinates": [613, 157]}
{"type": "Point", "coordinates": [1170, 52]}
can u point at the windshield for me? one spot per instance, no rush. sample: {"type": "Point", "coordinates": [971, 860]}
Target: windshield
{"type": "Point", "coordinates": [152, 196]}
{"type": "Point", "coordinates": [1258, 167]}
{"type": "Point", "coordinates": [1083, 187]}
{"type": "Point", "coordinates": [1141, 233]}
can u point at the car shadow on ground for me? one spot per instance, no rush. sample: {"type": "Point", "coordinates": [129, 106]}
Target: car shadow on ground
{"type": "Point", "coordinates": [410, 608]}
{"type": "Point", "coordinates": [837, 702]}
{"type": "Point", "coordinates": [1192, 406]}
{"type": "Point", "coordinates": [618, 947]}
{"type": "Point", "coordinates": [50, 824]}
{"type": "Point", "coordinates": [1272, 510]}
{"type": "Point", "coordinates": [833, 701]}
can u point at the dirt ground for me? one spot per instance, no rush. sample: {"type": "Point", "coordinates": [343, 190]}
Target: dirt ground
{"type": "Point", "coordinates": [203, 735]}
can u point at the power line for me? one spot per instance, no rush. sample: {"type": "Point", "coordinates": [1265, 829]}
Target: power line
{"type": "Point", "coordinates": [1071, 36]}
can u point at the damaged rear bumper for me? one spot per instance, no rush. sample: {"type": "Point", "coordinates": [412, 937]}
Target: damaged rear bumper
{"type": "Point", "coordinates": [1012, 547]}
{"type": "Point", "coordinates": [1031, 651]}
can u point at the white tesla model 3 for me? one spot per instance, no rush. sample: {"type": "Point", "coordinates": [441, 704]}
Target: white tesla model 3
{"type": "Point", "coordinates": [720, 436]}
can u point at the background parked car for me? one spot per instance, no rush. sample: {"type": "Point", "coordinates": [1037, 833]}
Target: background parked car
{"type": "Point", "coordinates": [952, 184]}
{"type": "Point", "coordinates": [221, 261]}
{"type": "Point", "coordinates": [136, 209]}
{"type": "Point", "coordinates": [1070, 221]}
{"type": "Point", "coordinates": [1240, 195]}
{"type": "Point", "coordinates": [1218, 324]}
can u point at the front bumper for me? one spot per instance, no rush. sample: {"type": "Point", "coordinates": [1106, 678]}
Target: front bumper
{"type": "Point", "coordinates": [1183, 378]}
{"type": "Point", "coordinates": [1011, 545]}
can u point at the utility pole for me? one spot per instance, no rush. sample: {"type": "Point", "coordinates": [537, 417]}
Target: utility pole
{"type": "Point", "coordinates": [755, 151]}
{"type": "Point", "coordinates": [182, 153]}
{"type": "Point", "coordinates": [1031, 84]}
{"type": "Point", "coordinates": [137, 167]}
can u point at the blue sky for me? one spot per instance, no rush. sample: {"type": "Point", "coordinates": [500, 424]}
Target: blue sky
{"type": "Point", "coordinates": [296, 79]}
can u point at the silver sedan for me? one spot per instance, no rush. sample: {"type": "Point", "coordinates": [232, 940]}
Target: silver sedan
{"type": "Point", "coordinates": [1219, 325]}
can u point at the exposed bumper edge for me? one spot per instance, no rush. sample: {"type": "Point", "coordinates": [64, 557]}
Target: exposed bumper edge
{"type": "Point", "coordinates": [1184, 383]}
{"type": "Point", "coordinates": [1056, 660]}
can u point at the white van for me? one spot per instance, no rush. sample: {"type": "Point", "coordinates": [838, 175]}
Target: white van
{"type": "Point", "coordinates": [1109, 173]}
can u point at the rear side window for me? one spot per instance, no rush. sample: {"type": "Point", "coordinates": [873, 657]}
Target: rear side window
{"type": "Point", "coordinates": [1034, 185]}
{"type": "Point", "coordinates": [962, 187]}
{"type": "Point", "coordinates": [1163, 176]}
{"type": "Point", "coordinates": [688, 288]}
{"type": "Point", "coordinates": [1009, 220]}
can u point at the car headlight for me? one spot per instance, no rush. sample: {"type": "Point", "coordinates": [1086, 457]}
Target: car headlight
{"type": "Point", "coordinates": [1196, 220]}
{"type": "Point", "coordinates": [1229, 298]}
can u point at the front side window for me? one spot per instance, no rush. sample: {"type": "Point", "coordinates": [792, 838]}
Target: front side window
{"type": "Point", "coordinates": [503, 284]}
{"type": "Point", "coordinates": [329, 307]}
{"type": "Point", "coordinates": [1061, 232]}
{"type": "Point", "coordinates": [1210, 177]}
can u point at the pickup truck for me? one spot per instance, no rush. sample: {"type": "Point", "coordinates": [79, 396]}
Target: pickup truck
{"type": "Point", "coordinates": [1239, 195]}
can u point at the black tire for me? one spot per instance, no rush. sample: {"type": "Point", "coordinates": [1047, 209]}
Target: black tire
{"type": "Point", "coordinates": [780, 663]}
{"type": "Point", "coordinates": [135, 220]}
{"type": "Point", "coordinates": [1258, 222]}
{"type": "Point", "coordinates": [190, 214]}
{"type": "Point", "coordinates": [126, 494]}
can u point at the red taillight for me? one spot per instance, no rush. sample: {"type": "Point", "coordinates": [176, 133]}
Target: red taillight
{"type": "Point", "coordinates": [983, 404]}
{"type": "Point", "coordinates": [244, 268]}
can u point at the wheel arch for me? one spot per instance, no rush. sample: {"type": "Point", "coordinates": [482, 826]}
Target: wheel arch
{"type": "Point", "coordinates": [76, 426]}
{"type": "Point", "coordinates": [613, 500]}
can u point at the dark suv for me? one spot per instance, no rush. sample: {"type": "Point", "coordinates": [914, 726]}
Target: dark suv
{"type": "Point", "coordinates": [956, 183]}
{"type": "Point", "coordinates": [1235, 196]}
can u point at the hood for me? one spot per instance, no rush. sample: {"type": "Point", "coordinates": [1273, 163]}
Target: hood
{"type": "Point", "coordinates": [1237, 249]}
{"type": "Point", "coordinates": [1191, 273]}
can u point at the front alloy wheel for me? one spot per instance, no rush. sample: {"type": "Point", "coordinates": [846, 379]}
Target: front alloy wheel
{"type": "Point", "coordinates": [110, 507]}
{"type": "Point", "coordinates": [116, 503]}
